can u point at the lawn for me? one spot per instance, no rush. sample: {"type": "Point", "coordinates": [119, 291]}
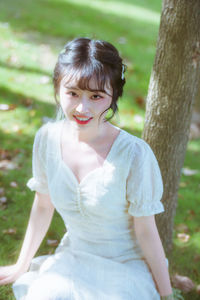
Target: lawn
{"type": "Point", "coordinates": [32, 33]}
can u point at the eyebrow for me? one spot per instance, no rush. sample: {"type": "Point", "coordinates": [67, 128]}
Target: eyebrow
{"type": "Point", "coordinates": [71, 87]}
{"type": "Point", "coordinates": [91, 90]}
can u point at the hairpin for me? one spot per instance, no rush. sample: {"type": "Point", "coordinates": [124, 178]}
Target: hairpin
{"type": "Point", "coordinates": [123, 70]}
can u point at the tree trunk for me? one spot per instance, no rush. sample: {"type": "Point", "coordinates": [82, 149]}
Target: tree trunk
{"type": "Point", "coordinates": [195, 122]}
{"type": "Point", "coordinates": [197, 100]}
{"type": "Point", "coordinates": [172, 91]}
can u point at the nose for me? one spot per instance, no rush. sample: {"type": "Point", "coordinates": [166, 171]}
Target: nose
{"type": "Point", "coordinates": [83, 106]}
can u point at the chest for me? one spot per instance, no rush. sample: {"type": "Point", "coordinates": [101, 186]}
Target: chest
{"type": "Point", "coordinates": [82, 160]}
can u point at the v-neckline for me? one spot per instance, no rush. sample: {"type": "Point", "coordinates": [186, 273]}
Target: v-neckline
{"type": "Point", "coordinates": [79, 183]}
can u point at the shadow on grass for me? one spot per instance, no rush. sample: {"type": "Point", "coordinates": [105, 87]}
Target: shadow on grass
{"type": "Point", "coordinates": [151, 5]}
{"type": "Point", "coordinates": [56, 22]}
{"type": "Point", "coordinates": [183, 261]}
{"type": "Point", "coordinates": [64, 19]}
{"type": "Point", "coordinates": [41, 109]}
{"type": "Point", "coordinates": [6, 293]}
{"type": "Point", "coordinates": [24, 69]}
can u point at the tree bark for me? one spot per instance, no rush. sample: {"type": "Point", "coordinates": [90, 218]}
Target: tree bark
{"type": "Point", "coordinates": [172, 91]}
{"type": "Point", "coordinates": [197, 100]}
{"type": "Point", "coordinates": [195, 121]}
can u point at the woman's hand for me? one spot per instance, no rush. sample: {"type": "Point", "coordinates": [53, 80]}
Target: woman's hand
{"type": "Point", "coordinates": [9, 274]}
{"type": "Point", "coordinates": [169, 297]}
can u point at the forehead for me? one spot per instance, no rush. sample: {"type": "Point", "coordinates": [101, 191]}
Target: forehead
{"type": "Point", "coordinates": [90, 84]}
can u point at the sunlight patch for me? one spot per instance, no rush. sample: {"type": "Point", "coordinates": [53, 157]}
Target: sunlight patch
{"type": "Point", "coordinates": [122, 9]}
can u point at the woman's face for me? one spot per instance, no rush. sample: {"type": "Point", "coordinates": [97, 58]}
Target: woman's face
{"type": "Point", "coordinates": [83, 106]}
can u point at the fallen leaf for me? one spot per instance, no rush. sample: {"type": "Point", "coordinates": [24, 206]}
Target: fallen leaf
{"type": "Point", "coordinates": [52, 243]}
{"type": "Point", "coordinates": [195, 272]}
{"type": "Point", "coordinates": [140, 101]}
{"type": "Point", "coordinates": [10, 231]}
{"type": "Point", "coordinates": [183, 237]}
{"type": "Point", "coordinates": [183, 283]}
{"type": "Point", "coordinates": [3, 203]}
{"type": "Point", "coordinates": [5, 154]}
{"type": "Point", "coordinates": [138, 119]}
{"type": "Point", "coordinates": [6, 107]}
{"type": "Point", "coordinates": [44, 79]}
{"type": "Point", "coordinates": [194, 132]}
{"type": "Point", "coordinates": [3, 200]}
{"type": "Point", "coordinates": [2, 190]}
{"type": "Point", "coordinates": [13, 184]}
{"type": "Point", "coordinates": [183, 184]}
{"type": "Point", "coordinates": [191, 212]}
{"type": "Point", "coordinates": [7, 165]}
{"type": "Point", "coordinates": [182, 227]}
{"type": "Point", "coordinates": [198, 289]}
{"type": "Point", "coordinates": [26, 101]}
{"type": "Point", "coordinates": [15, 127]}
{"type": "Point", "coordinates": [189, 172]}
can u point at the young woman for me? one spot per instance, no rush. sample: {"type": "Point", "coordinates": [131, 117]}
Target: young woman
{"type": "Point", "coordinates": [106, 185]}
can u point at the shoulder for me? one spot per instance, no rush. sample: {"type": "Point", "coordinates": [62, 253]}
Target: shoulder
{"type": "Point", "coordinates": [45, 135]}
{"type": "Point", "coordinates": [45, 131]}
{"type": "Point", "coordinates": [138, 147]}
{"type": "Point", "coordinates": [48, 128]}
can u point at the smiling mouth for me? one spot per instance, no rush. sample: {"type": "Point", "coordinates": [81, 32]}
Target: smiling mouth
{"type": "Point", "coordinates": [82, 120]}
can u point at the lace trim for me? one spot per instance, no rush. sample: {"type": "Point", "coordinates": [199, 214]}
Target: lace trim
{"type": "Point", "coordinates": [147, 209]}
{"type": "Point", "coordinates": [34, 185]}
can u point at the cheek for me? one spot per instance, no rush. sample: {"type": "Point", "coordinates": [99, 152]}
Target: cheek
{"type": "Point", "coordinates": [104, 104]}
{"type": "Point", "coordinates": [66, 103]}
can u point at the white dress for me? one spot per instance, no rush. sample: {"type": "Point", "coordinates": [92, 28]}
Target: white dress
{"type": "Point", "coordinates": [99, 257]}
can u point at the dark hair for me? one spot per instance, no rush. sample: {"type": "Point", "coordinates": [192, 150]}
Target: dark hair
{"type": "Point", "coordinates": [83, 58]}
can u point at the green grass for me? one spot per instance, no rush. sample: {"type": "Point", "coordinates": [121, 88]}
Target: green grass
{"type": "Point", "coordinates": [31, 35]}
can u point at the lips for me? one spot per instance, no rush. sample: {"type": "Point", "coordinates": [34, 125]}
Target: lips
{"type": "Point", "coordinates": [82, 121]}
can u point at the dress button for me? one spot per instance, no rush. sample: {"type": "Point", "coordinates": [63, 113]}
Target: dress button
{"type": "Point", "coordinates": [79, 201]}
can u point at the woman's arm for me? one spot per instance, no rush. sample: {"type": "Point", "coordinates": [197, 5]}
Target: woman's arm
{"type": "Point", "coordinates": [39, 221]}
{"type": "Point", "coordinates": [151, 245]}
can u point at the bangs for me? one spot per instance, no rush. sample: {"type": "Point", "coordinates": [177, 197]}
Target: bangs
{"type": "Point", "coordinates": [81, 77]}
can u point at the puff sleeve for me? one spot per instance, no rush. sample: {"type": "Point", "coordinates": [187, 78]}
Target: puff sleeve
{"type": "Point", "coordinates": [39, 180]}
{"type": "Point", "coordinates": [144, 183]}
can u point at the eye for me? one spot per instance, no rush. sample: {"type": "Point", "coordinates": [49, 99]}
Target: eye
{"type": "Point", "coordinates": [96, 97]}
{"type": "Point", "coordinates": [71, 93]}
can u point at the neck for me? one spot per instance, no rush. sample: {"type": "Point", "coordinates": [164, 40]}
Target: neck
{"type": "Point", "coordinates": [85, 134]}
